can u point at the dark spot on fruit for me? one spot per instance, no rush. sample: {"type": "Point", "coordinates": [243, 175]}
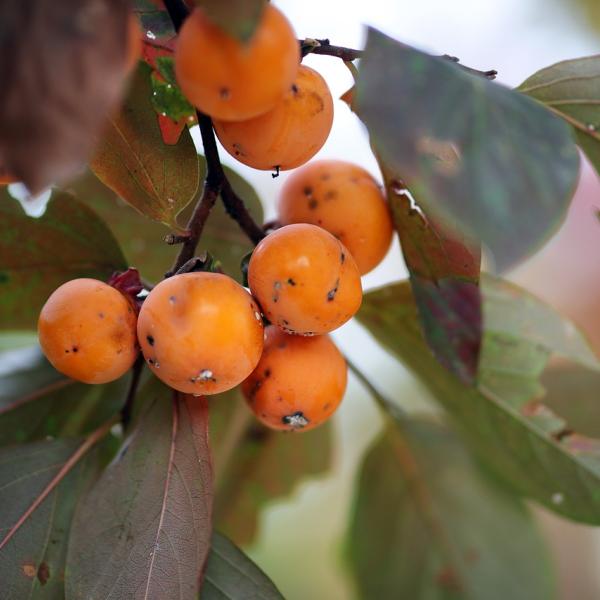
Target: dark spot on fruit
{"type": "Point", "coordinates": [312, 204]}
{"type": "Point", "coordinates": [43, 573]}
{"type": "Point", "coordinates": [342, 257]}
{"type": "Point", "coordinates": [267, 373]}
{"type": "Point", "coordinates": [172, 299]}
{"type": "Point", "coordinates": [279, 399]}
{"type": "Point", "coordinates": [150, 361]}
{"type": "Point", "coordinates": [101, 315]}
{"type": "Point", "coordinates": [294, 89]}
{"type": "Point", "coordinates": [325, 176]}
{"type": "Point", "coordinates": [332, 292]}
{"type": "Point", "coordinates": [296, 420]}
{"type": "Point", "coordinates": [319, 221]}
{"type": "Point", "coordinates": [75, 349]}
{"type": "Point", "coordinates": [330, 195]}
{"type": "Point", "coordinates": [224, 93]}
{"type": "Point", "coordinates": [327, 406]}
{"type": "Point", "coordinates": [150, 340]}
{"type": "Point", "coordinates": [307, 191]}
{"type": "Point", "coordinates": [291, 282]}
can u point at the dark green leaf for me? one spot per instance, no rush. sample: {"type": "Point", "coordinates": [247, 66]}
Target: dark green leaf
{"type": "Point", "coordinates": [571, 89]}
{"type": "Point", "coordinates": [154, 19]}
{"type": "Point", "coordinates": [444, 274]}
{"type": "Point", "coordinates": [38, 255]}
{"type": "Point", "coordinates": [231, 575]}
{"type": "Point", "coordinates": [238, 18]}
{"type": "Point", "coordinates": [427, 524]}
{"type": "Point", "coordinates": [255, 465]}
{"type": "Point", "coordinates": [36, 401]}
{"type": "Point", "coordinates": [33, 539]}
{"type": "Point", "coordinates": [470, 150]}
{"type": "Point", "coordinates": [167, 97]}
{"type": "Point", "coordinates": [521, 439]}
{"type": "Point", "coordinates": [157, 179]}
{"type": "Point", "coordinates": [141, 238]}
{"type": "Point", "coordinates": [144, 529]}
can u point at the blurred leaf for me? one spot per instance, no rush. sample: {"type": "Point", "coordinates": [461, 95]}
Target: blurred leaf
{"type": "Point", "coordinates": [146, 524]}
{"type": "Point", "coordinates": [574, 393]}
{"type": "Point", "coordinates": [427, 524]}
{"type": "Point", "coordinates": [40, 484]}
{"type": "Point", "coordinates": [521, 439]}
{"type": "Point", "coordinates": [231, 575]}
{"type": "Point", "coordinates": [444, 274]}
{"type": "Point", "coordinates": [472, 152]}
{"type": "Point", "coordinates": [154, 19]}
{"type": "Point", "coordinates": [255, 465]}
{"type": "Point", "coordinates": [36, 401]}
{"type": "Point", "coordinates": [239, 18]}
{"type": "Point", "coordinates": [62, 67]}
{"type": "Point", "coordinates": [141, 238]}
{"type": "Point", "coordinates": [571, 89]}
{"type": "Point", "coordinates": [38, 255]}
{"type": "Point", "coordinates": [156, 179]}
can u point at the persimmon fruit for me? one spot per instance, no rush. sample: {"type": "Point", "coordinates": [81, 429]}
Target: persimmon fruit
{"type": "Point", "coordinates": [232, 80]}
{"type": "Point", "coordinates": [87, 330]}
{"type": "Point", "coordinates": [200, 333]}
{"type": "Point", "coordinates": [305, 280]}
{"type": "Point", "coordinates": [344, 199]}
{"type": "Point", "coordinates": [298, 383]}
{"type": "Point", "coordinates": [289, 134]}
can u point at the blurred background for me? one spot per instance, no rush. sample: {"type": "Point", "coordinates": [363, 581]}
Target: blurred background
{"type": "Point", "coordinates": [301, 539]}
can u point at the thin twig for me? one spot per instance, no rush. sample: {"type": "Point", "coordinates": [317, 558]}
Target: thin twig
{"type": "Point", "coordinates": [324, 47]}
{"type": "Point", "coordinates": [127, 409]}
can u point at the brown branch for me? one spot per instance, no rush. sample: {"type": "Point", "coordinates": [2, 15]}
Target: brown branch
{"type": "Point", "coordinates": [324, 47]}
{"type": "Point", "coordinates": [127, 409]}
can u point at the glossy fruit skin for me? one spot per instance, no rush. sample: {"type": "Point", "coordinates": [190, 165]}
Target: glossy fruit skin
{"type": "Point", "coordinates": [305, 280]}
{"type": "Point", "coordinates": [344, 199]}
{"type": "Point", "coordinates": [87, 330]}
{"type": "Point", "coordinates": [298, 383]}
{"type": "Point", "coordinates": [288, 135]}
{"type": "Point", "coordinates": [201, 333]}
{"type": "Point", "coordinates": [228, 79]}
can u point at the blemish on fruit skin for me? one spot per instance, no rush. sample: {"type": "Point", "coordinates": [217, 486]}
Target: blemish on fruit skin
{"type": "Point", "coordinates": [312, 204]}
{"type": "Point", "coordinates": [332, 292]}
{"type": "Point", "coordinates": [101, 315]}
{"type": "Point", "coordinates": [204, 376]}
{"type": "Point", "coordinates": [296, 420]}
{"type": "Point", "coordinates": [150, 340]}
{"type": "Point", "coordinates": [291, 282]}
{"type": "Point", "coordinates": [172, 299]}
{"type": "Point", "coordinates": [224, 93]}
{"type": "Point", "coordinates": [75, 349]}
{"type": "Point", "coordinates": [342, 257]}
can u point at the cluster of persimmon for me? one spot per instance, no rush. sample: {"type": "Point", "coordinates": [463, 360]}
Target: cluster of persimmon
{"type": "Point", "coordinates": [202, 333]}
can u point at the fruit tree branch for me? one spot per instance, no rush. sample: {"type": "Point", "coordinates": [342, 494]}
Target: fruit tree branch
{"type": "Point", "coordinates": [323, 47]}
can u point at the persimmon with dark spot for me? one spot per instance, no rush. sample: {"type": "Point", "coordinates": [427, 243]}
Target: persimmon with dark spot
{"type": "Point", "coordinates": [298, 383]}
{"type": "Point", "coordinates": [305, 280]}
{"type": "Point", "coordinates": [200, 333]}
{"type": "Point", "coordinates": [288, 135]}
{"type": "Point", "coordinates": [344, 199]}
{"type": "Point", "coordinates": [232, 80]}
{"type": "Point", "coordinates": [87, 330]}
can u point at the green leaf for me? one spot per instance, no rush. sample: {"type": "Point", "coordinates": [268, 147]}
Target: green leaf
{"type": "Point", "coordinates": [141, 238]}
{"type": "Point", "coordinates": [231, 575]}
{"type": "Point", "coordinates": [522, 441]}
{"type": "Point", "coordinates": [38, 493]}
{"type": "Point", "coordinates": [154, 19]}
{"type": "Point", "coordinates": [427, 524]}
{"type": "Point", "coordinates": [571, 89]}
{"type": "Point", "coordinates": [239, 18]}
{"type": "Point", "coordinates": [157, 179]}
{"type": "Point", "coordinates": [36, 401]}
{"type": "Point", "coordinates": [255, 465]}
{"type": "Point", "coordinates": [39, 254]}
{"type": "Point", "coordinates": [167, 97]}
{"type": "Point", "coordinates": [144, 529]}
{"type": "Point", "coordinates": [444, 274]}
{"type": "Point", "coordinates": [471, 151]}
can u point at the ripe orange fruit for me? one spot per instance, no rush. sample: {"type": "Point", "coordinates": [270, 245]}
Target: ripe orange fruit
{"type": "Point", "coordinates": [289, 134]}
{"type": "Point", "coordinates": [201, 333]}
{"type": "Point", "coordinates": [345, 200]}
{"type": "Point", "coordinates": [228, 79]}
{"type": "Point", "coordinates": [298, 383]}
{"type": "Point", "coordinates": [87, 331]}
{"type": "Point", "coordinates": [305, 280]}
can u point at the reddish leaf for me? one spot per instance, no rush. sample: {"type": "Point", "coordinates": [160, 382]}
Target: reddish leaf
{"type": "Point", "coordinates": [39, 486]}
{"type": "Point", "coordinates": [444, 274]}
{"type": "Point", "coordinates": [62, 67]}
{"type": "Point", "coordinates": [156, 179]}
{"type": "Point", "coordinates": [144, 529]}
